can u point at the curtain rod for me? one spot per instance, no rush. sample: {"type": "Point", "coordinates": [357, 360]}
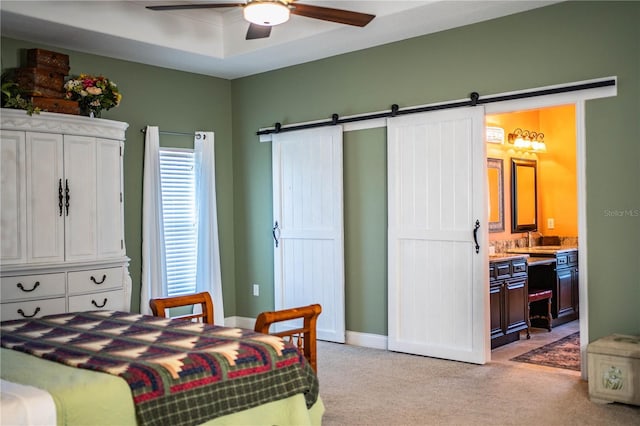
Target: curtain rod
{"type": "Point", "coordinates": [474, 99]}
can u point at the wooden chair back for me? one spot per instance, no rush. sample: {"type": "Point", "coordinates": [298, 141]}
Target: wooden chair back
{"type": "Point", "coordinates": [160, 305]}
{"type": "Point", "coordinates": [304, 337]}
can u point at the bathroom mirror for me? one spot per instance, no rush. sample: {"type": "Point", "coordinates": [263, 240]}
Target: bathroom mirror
{"type": "Point", "coordinates": [524, 195]}
{"type": "Point", "coordinates": [495, 178]}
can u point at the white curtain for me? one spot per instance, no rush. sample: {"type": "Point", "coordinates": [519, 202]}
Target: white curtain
{"type": "Point", "coordinates": [208, 276]}
{"type": "Point", "coordinates": [154, 277]}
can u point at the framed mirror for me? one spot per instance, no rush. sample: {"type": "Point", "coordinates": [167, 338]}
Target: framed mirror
{"type": "Point", "coordinates": [495, 177]}
{"type": "Point", "coordinates": [524, 195]}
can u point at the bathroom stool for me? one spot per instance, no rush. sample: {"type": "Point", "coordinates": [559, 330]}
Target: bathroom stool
{"type": "Point", "coordinates": [537, 296]}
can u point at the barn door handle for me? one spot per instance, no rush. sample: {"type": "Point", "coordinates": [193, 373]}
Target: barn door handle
{"type": "Point", "coordinates": [475, 235]}
{"type": "Point", "coordinates": [276, 233]}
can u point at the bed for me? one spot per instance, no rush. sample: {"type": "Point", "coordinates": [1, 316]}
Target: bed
{"type": "Point", "coordinates": [108, 367]}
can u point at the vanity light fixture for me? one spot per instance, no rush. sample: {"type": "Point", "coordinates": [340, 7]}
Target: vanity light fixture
{"type": "Point", "coordinates": [527, 140]}
{"type": "Point", "coordinates": [266, 13]}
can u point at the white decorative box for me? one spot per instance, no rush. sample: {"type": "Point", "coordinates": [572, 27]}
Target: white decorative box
{"type": "Point", "coordinates": [614, 369]}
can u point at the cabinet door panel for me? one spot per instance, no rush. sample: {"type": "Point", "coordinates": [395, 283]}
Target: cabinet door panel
{"type": "Point", "coordinates": [516, 295]}
{"type": "Point", "coordinates": [495, 302]}
{"type": "Point", "coordinates": [565, 292]}
{"type": "Point", "coordinates": [576, 289]}
{"type": "Point", "coordinates": [80, 219]}
{"type": "Point", "coordinates": [109, 202]}
{"type": "Point", "coordinates": [13, 201]}
{"type": "Point", "coordinates": [45, 224]}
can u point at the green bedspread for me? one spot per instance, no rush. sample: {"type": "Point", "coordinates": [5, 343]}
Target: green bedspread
{"type": "Point", "coordinates": [178, 372]}
{"type": "Point", "coordinates": [84, 397]}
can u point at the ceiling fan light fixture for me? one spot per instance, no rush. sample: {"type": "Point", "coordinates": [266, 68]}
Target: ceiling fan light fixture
{"type": "Point", "coordinates": [267, 13]}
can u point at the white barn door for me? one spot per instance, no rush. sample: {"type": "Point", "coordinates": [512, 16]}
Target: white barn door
{"type": "Point", "coordinates": [438, 281]}
{"type": "Point", "coordinates": [308, 225]}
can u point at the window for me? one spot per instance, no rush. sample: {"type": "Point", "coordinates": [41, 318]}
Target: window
{"type": "Point", "coordinates": [178, 185]}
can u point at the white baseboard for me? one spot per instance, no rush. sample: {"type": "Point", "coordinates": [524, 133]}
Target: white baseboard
{"type": "Point", "coordinates": [240, 322]}
{"type": "Point", "coordinates": [355, 338]}
{"type": "Point", "coordinates": [367, 340]}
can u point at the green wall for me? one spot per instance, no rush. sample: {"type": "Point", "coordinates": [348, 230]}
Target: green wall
{"type": "Point", "coordinates": [567, 42]}
{"type": "Point", "coordinates": [174, 101]}
{"type": "Point", "coordinates": [560, 43]}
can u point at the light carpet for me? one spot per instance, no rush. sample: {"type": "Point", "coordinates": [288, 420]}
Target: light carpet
{"type": "Point", "coordinates": [362, 386]}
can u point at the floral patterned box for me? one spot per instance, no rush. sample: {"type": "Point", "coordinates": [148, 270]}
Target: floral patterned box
{"type": "Point", "coordinates": [614, 369]}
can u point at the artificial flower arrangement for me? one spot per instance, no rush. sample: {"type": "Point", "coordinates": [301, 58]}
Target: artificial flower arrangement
{"type": "Point", "coordinates": [93, 93]}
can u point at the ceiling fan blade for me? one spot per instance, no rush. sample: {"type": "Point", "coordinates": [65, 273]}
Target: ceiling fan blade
{"type": "Point", "coordinates": [258, 31]}
{"type": "Point", "coordinates": [329, 14]}
{"type": "Point", "coordinates": [196, 6]}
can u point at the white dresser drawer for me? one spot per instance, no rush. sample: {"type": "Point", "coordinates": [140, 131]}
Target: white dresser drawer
{"type": "Point", "coordinates": [31, 286]}
{"type": "Point", "coordinates": [106, 301]}
{"type": "Point", "coordinates": [32, 309]}
{"type": "Point", "coordinates": [94, 279]}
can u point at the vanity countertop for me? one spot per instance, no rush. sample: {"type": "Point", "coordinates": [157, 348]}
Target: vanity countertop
{"type": "Point", "coordinates": [499, 257]}
{"type": "Point", "coordinates": [548, 250]}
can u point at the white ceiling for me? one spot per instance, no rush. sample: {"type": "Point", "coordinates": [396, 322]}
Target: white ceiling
{"type": "Point", "coordinates": [212, 41]}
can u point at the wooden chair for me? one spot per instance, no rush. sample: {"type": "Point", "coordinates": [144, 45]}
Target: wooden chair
{"type": "Point", "coordinates": [160, 305]}
{"type": "Point", "coordinates": [305, 337]}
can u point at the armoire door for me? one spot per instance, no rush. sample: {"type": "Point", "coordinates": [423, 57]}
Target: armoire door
{"type": "Point", "coordinates": [308, 225]}
{"type": "Point", "coordinates": [80, 180]}
{"type": "Point", "coordinates": [109, 203]}
{"type": "Point", "coordinates": [438, 292]}
{"type": "Point", "coordinates": [13, 198]}
{"type": "Point", "coordinates": [45, 197]}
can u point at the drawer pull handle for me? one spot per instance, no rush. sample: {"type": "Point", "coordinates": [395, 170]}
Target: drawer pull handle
{"type": "Point", "coordinates": [104, 277]}
{"type": "Point", "coordinates": [104, 302]}
{"type": "Point", "coordinates": [35, 285]}
{"type": "Point", "coordinates": [21, 312]}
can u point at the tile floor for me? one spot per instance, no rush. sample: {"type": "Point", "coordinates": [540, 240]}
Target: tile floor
{"type": "Point", "coordinates": [539, 337]}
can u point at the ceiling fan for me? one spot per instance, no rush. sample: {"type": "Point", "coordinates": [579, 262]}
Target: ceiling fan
{"type": "Point", "coordinates": [264, 14]}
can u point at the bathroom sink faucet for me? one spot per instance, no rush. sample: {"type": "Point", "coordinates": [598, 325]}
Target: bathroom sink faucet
{"type": "Point", "coordinates": [531, 239]}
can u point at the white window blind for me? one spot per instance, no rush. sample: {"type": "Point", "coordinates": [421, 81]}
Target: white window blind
{"type": "Point", "coordinates": [178, 184]}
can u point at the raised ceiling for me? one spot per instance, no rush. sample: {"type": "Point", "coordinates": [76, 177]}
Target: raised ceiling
{"type": "Point", "coordinates": [212, 41]}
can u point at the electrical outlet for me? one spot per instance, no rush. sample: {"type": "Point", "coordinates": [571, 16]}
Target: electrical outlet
{"type": "Point", "coordinates": [551, 223]}
{"type": "Point", "coordinates": [256, 289]}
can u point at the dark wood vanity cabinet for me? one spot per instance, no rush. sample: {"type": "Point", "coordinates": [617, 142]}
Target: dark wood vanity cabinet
{"type": "Point", "coordinates": [567, 286]}
{"type": "Point", "coordinates": [508, 295]}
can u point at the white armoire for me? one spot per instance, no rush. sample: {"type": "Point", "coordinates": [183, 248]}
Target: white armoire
{"type": "Point", "coordinates": [61, 215]}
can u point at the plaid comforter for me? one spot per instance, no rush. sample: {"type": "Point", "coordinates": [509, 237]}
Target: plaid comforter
{"type": "Point", "coordinates": [179, 372]}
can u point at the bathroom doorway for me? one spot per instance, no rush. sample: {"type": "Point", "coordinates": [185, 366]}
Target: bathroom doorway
{"type": "Point", "coordinates": [547, 137]}
{"type": "Point", "coordinates": [577, 101]}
